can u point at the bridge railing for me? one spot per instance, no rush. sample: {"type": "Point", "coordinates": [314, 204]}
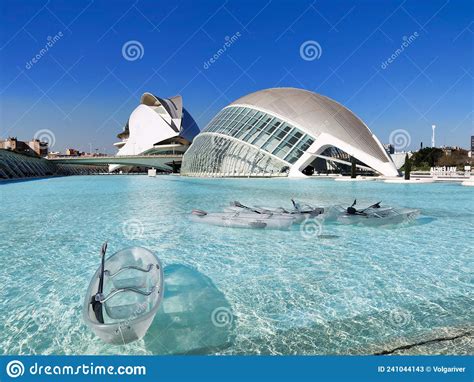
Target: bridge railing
{"type": "Point", "coordinates": [119, 156]}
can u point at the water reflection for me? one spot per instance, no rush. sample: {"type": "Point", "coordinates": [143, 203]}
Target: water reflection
{"type": "Point", "coordinates": [194, 317]}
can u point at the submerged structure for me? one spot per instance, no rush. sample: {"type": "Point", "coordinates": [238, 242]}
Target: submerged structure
{"type": "Point", "coordinates": [283, 132]}
{"type": "Point", "coordinates": [158, 126]}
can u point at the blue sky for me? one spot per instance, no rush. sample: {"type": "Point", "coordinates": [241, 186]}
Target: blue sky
{"type": "Point", "coordinates": [83, 88]}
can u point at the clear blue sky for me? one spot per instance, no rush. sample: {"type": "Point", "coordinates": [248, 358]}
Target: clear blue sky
{"type": "Point", "coordinates": [83, 89]}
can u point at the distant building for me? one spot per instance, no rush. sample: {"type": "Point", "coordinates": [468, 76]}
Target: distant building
{"type": "Point", "coordinates": [39, 148]}
{"type": "Point", "coordinates": [472, 143]}
{"type": "Point", "coordinates": [12, 144]}
{"type": "Point", "coordinates": [448, 150]}
{"type": "Point", "coordinates": [96, 154]}
{"type": "Point", "coordinates": [72, 152]}
{"type": "Point", "coordinates": [54, 154]}
{"type": "Point", "coordinates": [451, 148]}
{"type": "Point", "coordinates": [33, 147]}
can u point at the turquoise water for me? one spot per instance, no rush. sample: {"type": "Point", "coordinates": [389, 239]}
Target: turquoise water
{"type": "Point", "coordinates": [356, 290]}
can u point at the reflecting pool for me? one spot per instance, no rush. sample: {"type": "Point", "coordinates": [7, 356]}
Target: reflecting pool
{"type": "Point", "coordinates": [350, 290]}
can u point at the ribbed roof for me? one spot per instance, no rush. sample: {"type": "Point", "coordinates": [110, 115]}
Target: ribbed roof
{"type": "Point", "coordinates": [316, 114]}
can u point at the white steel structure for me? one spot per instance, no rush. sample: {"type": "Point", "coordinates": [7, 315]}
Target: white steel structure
{"type": "Point", "coordinates": [157, 126]}
{"type": "Point", "coordinates": [279, 132]}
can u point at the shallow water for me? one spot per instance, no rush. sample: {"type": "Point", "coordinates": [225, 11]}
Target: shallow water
{"type": "Point", "coordinates": [311, 290]}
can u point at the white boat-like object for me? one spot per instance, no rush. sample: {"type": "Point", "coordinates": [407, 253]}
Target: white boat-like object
{"type": "Point", "coordinates": [300, 211]}
{"type": "Point", "coordinates": [240, 219]}
{"type": "Point", "coordinates": [375, 214]}
{"type": "Point", "coordinates": [124, 295]}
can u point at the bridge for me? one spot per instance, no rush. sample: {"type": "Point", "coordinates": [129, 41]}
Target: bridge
{"type": "Point", "coordinates": [163, 161]}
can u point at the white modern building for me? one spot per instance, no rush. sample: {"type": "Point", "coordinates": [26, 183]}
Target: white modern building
{"type": "Point", "coordinates": [157, 126]}
{"type": "Point", "coordinates": [280, 132]}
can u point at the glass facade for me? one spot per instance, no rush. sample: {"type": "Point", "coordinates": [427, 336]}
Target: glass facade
{"type": "Point", "coordinates": [213, 152]}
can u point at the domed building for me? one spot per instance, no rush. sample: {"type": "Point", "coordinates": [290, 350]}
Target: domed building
{"type": "Point", "coordinates": [283, 132]}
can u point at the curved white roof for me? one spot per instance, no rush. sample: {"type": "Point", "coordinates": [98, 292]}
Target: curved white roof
{"type": "Point", "coordinates": [154, 121]}
{"type": "Point", "coordinates": [316, 114]}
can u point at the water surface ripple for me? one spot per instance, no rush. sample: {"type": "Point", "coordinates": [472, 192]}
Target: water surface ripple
{"type": "Point", "coordinates": [356, 290]}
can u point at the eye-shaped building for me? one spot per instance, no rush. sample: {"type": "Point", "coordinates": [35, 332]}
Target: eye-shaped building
{"type": "Point", "coordinates": [280, 132]}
